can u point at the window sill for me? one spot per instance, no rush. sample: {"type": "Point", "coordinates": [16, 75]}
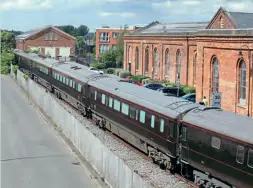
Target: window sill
{"type": "Point", "coordinates": [241, 106]}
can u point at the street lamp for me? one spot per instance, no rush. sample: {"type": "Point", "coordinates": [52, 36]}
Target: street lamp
{"type": "Point", "coordinates": [240, 54]}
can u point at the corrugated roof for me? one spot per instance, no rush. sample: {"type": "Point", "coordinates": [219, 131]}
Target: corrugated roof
{"type": "Point", "coordinates": [242, 19]}
{"type": "Point", "coordinates": [169, 28]}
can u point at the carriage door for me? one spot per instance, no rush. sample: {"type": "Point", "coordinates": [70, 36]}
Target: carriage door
{"type": "Point", "coordinates": [86, 95]}
{"type": "Point", "coordinates": [184, 143]}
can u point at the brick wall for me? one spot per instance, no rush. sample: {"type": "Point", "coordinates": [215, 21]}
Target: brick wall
{"type": "Point", "coordinates": [39, 41]}
{"type": "Point", "coordinates": [226, 50]}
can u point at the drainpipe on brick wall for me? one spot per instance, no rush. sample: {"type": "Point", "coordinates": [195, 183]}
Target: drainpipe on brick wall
{"type": "Point", "coordinates": [187, 61]}
{"type": "Point", "coordinates": [250, 67]}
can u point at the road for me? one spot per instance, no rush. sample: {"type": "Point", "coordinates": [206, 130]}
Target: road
{"type": "Point", "coordinates": [32, 155]}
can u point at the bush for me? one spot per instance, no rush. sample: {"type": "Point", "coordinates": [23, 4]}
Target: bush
{"type": "Point", "coordinates": [5, 69]}
{"type": "Point", "coordinates": [98, 65]}
{"type": "Point", "coordinates": [188, 89]}
{"type": "Point", "coordinates": [118, 71]}
{"type": "Point", "coordinates": [124, 74]}
{"type": "Point", "coordinates": [15, 68]}
{"type": "Point", "coordinates": [139, 78]}
{"type": "Point", "coordinates": [110, 71]}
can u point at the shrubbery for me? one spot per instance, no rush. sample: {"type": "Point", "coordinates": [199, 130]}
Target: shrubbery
{"type": "Point", "coordinates": [139, 78]}
{"type": "Point", "coordinates": [124, 74]}
{"type": "Point", "coordinates": [98, 65]}
{"type": "Point", "coordinates": [110, 71]}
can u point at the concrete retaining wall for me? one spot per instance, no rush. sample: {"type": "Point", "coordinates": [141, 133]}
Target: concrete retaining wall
{"type": "Point", "coordinates": [116, 173]}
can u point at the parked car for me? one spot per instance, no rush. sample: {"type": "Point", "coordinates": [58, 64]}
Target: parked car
{"type": "Point", "coordinates": [171, 91]}
{"type": "Point", "coordinates": [190, 97]}
{"type": "Point", "coordinates": [153, 86]}
{"type": "Point", "coordinates": [96, 70]}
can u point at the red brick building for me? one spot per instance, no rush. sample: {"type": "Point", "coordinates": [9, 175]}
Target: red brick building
{"type": "Point", "coordinates": [106, 38]}
{"type": "Point", "coordinates": [49, 40]}
{"type": "Point", "coordinates": [213, 56]}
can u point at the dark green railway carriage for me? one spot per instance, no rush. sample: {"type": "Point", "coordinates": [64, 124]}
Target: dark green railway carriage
{"type": "Point", "coordinates": [219, 144]}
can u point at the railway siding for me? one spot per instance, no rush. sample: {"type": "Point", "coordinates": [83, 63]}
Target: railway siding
{"type": "Point", "coordinates": [118, 164]}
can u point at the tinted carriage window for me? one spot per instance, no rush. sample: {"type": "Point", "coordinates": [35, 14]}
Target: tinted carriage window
{"type": "Point", "coordinates": [142, 116]}
{"type": "Point", "coordinates": [184, 133]}
{"type": "Point", "coordinates": [74, 84]}
{"type": "Point", "coordinates": [153, 121]}
{"type": "Point", "coordinates": [67, 81]}
{"type": "Point", "coordinates": [110, 102]}
{"type": "Point", "coordinates": [116, 105]}
{"type": "Point", "coordinates": [250, 158]}
{"type": "Point", "coordinates": [171, 130]}
{"type": "Point", "coordinates": [133, 113]}
{"type": "Point", "coordinates": [125, 109]}
{"type": "Point", "coordinates": [162, 125]}
{"type": "Point", "coordinates": [240, 154]}
{"type": "Point", "coordinates": [215, 142]}
{"type": "Point", "coordinates": [79, 87]}
{"type": "Point", "coordinates": [70, 83]}
{"type": "Point", "coordinates": [103, 99]}
{"type": "Point", "coordinates": [95, 96]}
{"type": "Point", "coordinates": [63, 79]}
{"type": "Point", "coordinates": [60, 78]}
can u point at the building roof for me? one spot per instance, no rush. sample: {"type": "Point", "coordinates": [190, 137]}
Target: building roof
{"type": "Point", "coordinates": [226, 33]}
{"type": "Point", "coordinates": [35, 31]}
{"type": "Point", "coordinates": [157, 28]}
{"type": "Point", "coordinates": [241, 19]}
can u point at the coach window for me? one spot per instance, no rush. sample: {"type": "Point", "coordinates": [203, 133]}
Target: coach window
{"type": "Point", "coordinates": [125, 108]}
{"type": "Point", "coordinates": [110, 102]}
{"type": "Point", "coordinates": [103, 98]}
{"type": "Point", "coordinates": [240, 154]}
{"type": "Point", "coordinates": [142, 116]}
{"type": "Point", "coordinates": [250, 158]}
{"type": "Point", "coordinates": [67, 81]}
{"type": "Point", "coordinates": [79, 87]}
{"type": "Point", "coordinates": [133, 113]}
{"type": "Point", "coordinates": [70, 83]}
{"type": "Point", "coordinates": [184, 133]}
{"type": "Point", "coordinates": [171, 130]}
{"type": "Point", "coordinates": [63, 79]}
{"type": "Point", "coordinates": [153, 121]}
{"type": "Point", "coordinates": [60, 78]}
{"type": "Point", "coordinates": [116, 105]}
{"type": "Point", "coordinates": [74, 84]}
{"type": "Point", "coordinates": [215, 142]}
{"type": "Point", "coordinates": [161, 125]}
{"type": "Point", "coordinates": [95, 96]}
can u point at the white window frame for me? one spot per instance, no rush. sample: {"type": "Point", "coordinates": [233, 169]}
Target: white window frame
{"type": "Point", "coordinates": [250, 151]}
{"type": "Point", "coordinates": [124, 108]}
{"type": "Point", "coordinates": [116, 105]}
{"type": "Point", "coordinates": [142, 116]}
{"type": "Point", "coordinates": [240, 147]}
{"type": "Point", "coordinates": [95, 96]}
{"type": "Point", "coordinates": [214, 141]}
{"type": "Point", "coordinates": [162, 125]}
{"type": "Point", "coordinates": [152, 124]}
{"type": "Point", "coordinates": [103, 98]}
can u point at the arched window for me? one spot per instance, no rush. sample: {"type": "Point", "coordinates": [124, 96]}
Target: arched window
{"type": "Point", "coordinates": [194, 67]}
{"type": "Point", "coordinates": [178, 65]}
{"type": "Point", "coordinates": [137, 58]}
{"type": "Point", "coordinates": [215, 75]}
{"type": "Point", "coordinates": [221, 22]}
{"type": "Point", "coordinates": [242, 82]}
{"type": "Point", "coordinates": [167, 62]}
{"type": "Point", "coordinates": [146, 59]}
{"type": "Point", "coordinates": [129, 54]}
{"type": "Point", "coordinates": [155, 60]}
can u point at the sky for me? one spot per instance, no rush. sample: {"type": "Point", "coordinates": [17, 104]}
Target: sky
{"type": "Point", "coordinates": [28, 14]}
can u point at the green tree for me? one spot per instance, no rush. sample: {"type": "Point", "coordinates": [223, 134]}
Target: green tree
{"type": "Point", "coordinates": [120, 47]}
{"type": "Point", "coordinates": [6, 59]}
{"type": "Point", "coordinates": [109, 58]}
{"type": "Point", "coordinates": [8, 42]}
{"type": "Point", "coordinates": [80, 45]}
{"type": "Point", "coordinates": [82, 30]}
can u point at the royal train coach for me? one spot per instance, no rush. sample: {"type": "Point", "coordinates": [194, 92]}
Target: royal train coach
{"type": "Point", "coordinates": [212, 147]}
